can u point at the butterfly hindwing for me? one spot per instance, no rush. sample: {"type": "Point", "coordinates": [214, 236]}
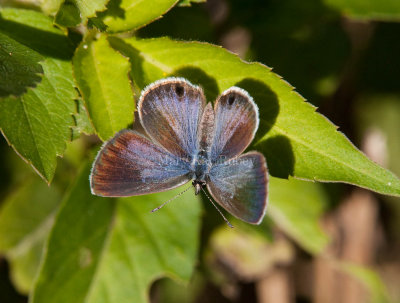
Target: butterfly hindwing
{"type": "Point", "coordinates": [240, 186]}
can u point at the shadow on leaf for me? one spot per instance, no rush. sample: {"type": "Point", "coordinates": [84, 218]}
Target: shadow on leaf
{"type": "Point", "coordinates": [44, 42]}
{"type": "Point", "coordinates": [278, 152]}
{"type": "Point", "coordinates": [267, 102]}
{"type": "Point", "coordinates": [199, 77]}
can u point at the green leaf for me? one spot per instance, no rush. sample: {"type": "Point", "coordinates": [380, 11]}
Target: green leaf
{"type": "Point", "coordinates": [296, 207]}
{"type": "Point", "coordinates": [102, 75]}
{"type": "Point", "coordinates": [19, 67]}
{"type": "Point", "coordinates": [26, 217]}
{"type": "Point", "coordinates": [82, 121]}
{"type": "Point", "coordinates": [36, 31]}
{"type": "Point", "coordinates": [115, 247]}
{"type": "Point", "coordinates": [295, 139]}
{"type": "Point", "coordinates": [128, 15]}
{"type": "Point", "coordinates": [38, 124]}
{"type": "Point", "coordinates": [388, 10]}
{"type": "Point", "coordinates": [73, 12]}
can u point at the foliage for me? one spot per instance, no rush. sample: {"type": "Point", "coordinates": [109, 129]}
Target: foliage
{"type": "Point", "coordinates": [75, 68]}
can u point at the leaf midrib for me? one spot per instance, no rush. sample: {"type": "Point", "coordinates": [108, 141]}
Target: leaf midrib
{"type": "Point", "coordinates": [33, 136]}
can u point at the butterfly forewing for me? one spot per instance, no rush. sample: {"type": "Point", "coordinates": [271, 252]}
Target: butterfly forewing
{"type": "Point", "coordinates": [170, 111]}
{"type": "Point", "coordinates": [236, 122]}
{"type": "Point", "coordinates": [130, 164]}
{"type": "Point", "coordinates": [240, 186]}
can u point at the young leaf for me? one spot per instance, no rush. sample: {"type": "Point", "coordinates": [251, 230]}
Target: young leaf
{"type": "Point", "coordinates": [128, 15]}
{"type": "Point", "coordinates": [294, 138]}
{"type": "Point", "coordinates": [102, 75]}
{"type": "Point", "coordinates": [38, 124]}
{"type": "Point", "coordinates": [296, 207]}
{"type": "Point", "coordinates": [117, 249]}
{"type": "Point", "coordinates": [26, 217]}
{"type": "Point", "coordinates": [388, 10]}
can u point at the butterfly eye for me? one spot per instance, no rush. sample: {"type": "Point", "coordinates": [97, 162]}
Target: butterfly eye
{"type": "Point", "coordinates": [231, 99]}
{"type": "Point", "coordinates": [179, 90]}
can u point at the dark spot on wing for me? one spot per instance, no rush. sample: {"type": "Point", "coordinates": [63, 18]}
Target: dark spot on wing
{"type": "Point", "coordinates": [179, 90]}
{"type": "Point", "coordinates": [231, 99]}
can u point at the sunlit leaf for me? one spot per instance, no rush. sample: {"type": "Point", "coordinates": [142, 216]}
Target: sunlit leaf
{"type": "Point", "coordinates": [102, 75]}
{"type": "Point", "coordinates": [127, 15]}
{"type": "Point", "coordinates": [295, 139]}
{"type": "Point", "coordinates": [26, 217]}
{"type": "Point", "coordinates": [117, 246]}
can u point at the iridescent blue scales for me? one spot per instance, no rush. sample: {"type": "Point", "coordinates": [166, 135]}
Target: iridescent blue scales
{"type": "Point", "coordinates": [185, 140]}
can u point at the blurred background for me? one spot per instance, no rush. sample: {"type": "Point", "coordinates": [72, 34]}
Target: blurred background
{"type": "Point", "coordinates": [335, 242]}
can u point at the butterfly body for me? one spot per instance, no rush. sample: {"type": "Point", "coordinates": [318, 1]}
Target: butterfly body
{"type": "Point", "coordinates": [185, 139]}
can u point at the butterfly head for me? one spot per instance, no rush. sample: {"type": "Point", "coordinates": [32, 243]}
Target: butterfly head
{"type": "Point", "coordinates": [198, 185]}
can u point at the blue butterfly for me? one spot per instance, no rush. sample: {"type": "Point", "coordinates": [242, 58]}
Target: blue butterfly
{"type": "Point", "coordinates": [185, 139]}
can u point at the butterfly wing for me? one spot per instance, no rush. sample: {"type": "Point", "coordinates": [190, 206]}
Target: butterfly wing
{"type": "Point", "coordinates": [240, 186]}
{"type": "Point", "coordinates": [129, 164]}
{"type": "Point", "coordinates": [170, 111]}
{"type": "Point", "coordinates": [236, 122]}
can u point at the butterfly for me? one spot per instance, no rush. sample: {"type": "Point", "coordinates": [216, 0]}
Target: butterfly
{"type": "Point", "coordinates": [187, 139]}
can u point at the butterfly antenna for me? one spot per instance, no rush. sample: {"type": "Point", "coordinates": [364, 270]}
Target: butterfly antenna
{"type": "Point", "coordinates": [220, 212]}
{"type": "Point", "coordinates": [166, 202]}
